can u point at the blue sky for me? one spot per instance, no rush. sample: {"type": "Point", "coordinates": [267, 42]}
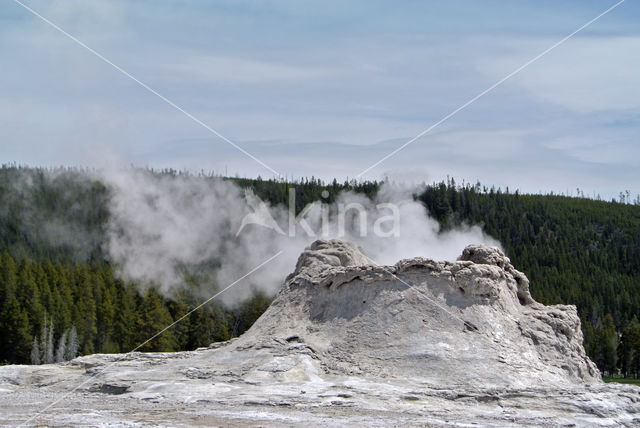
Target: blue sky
{"type": "Point", "coordinates": [329, 88]}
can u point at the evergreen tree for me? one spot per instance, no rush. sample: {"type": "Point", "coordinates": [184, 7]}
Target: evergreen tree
{"type": "Point", "coordinates": [49, 355]}
{"type": "Point", "coordinates": [220, 324]}
{"type": "Point", "coordinates": [72, 344]}
{"type": "Point", "coordinates": [35, 351]}
{"type": "Point", "coordinates": [629, 349]}
{"type": "Point", "coordinates": [28, 294]}
{"type": "Point", "coordinates": [44, 334]}
{"type": "Point", "coordinates": [606, 343]}
{"type": "Point", "coordinates": [154, 317]}
{"type": "Point", "coordinates": [61, 352]}
{"type": "Point", "coordinates": [85, 308]}
{"type": "Point", "coordinates": [125, 319]}
{"type": "Point", "coordinates": [16, 336]}
{"type": "Point", "coordinates": [105, 313]}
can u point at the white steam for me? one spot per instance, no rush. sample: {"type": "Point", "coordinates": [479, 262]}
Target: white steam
{"type": "Point", "coordinates": [163, 226]}
{"type": "Point", "coordinates": [418, 233]}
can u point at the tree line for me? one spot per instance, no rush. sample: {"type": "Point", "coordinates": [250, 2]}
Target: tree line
{"type": "Point", "coordinates": [574, 250]}
{"type": "Point", "coordinates": [54, 312]}
{"type": "Point", "coordinates": [59, 295]}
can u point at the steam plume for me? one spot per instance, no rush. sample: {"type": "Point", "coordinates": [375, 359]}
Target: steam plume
{"type": "Point", "coordinates": [163, 226]}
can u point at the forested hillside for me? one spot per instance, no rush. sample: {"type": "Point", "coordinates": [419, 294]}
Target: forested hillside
{"type": "Point", "coordinates": [60, 297]}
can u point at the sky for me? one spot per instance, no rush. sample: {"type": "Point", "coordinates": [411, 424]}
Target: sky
{"type": "Point", "coordinates": [328, 89]}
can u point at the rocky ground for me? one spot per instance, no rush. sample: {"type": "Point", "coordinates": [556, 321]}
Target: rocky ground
{"type": "Point", "coordinates": [347, 342]}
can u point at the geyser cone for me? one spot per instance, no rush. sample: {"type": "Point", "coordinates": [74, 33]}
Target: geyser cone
{"type": "Point", "coordinates": [470, 322]}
